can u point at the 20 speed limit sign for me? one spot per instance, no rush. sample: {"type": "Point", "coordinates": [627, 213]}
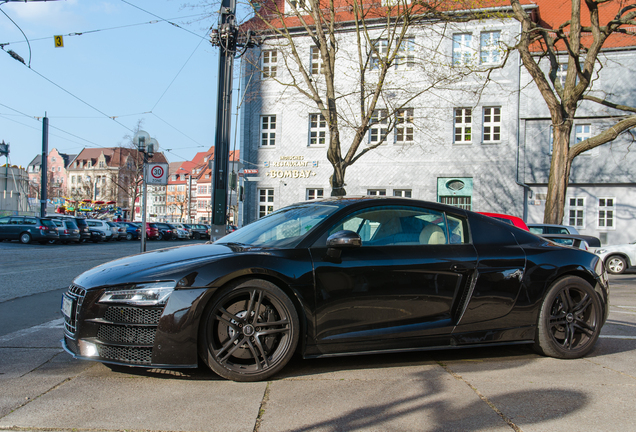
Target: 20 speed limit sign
{"type": "Point", "coordinates": [157, 174]}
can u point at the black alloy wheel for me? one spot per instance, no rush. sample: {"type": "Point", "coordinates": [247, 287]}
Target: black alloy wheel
{"type": "Point", "coordinates": [250, 331]}
{"type": "Point", "coordinates": [616, 264]}
{"type": "Point", "coordinates": [570, 319]}
{"type": "Point", "coordinates": [25, 238]}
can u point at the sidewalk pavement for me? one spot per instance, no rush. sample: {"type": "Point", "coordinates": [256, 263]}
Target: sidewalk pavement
{"type": "Point", "coordinates": [489, 389]}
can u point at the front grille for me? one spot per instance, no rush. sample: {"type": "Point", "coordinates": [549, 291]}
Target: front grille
{"type": "Point", "coordinates": [126, 334]}
{"type": "Point", "coordinates": [77, 293]}
{"type": "Point", "coordinates": [132, 315]}
{"type": "Point", "coordinates": [134, 355]}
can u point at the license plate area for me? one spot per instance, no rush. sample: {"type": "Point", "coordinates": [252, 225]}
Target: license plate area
{"type": "Point", "coordinates": [67, 307]}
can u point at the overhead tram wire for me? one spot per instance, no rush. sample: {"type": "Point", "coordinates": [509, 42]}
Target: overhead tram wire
{"type": "Point", "coordinates": [106, 29]}
{"type": "Point", "coordinates": [25, 37]}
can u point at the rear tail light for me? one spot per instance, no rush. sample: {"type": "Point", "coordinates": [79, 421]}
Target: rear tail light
{"type": "Point", "coordinates": [65, 231]}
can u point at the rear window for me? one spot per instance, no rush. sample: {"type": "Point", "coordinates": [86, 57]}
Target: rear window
{"type": "Point", "coordinates": [48, 223]}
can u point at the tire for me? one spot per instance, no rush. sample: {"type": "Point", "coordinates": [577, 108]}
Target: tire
{"type": "Point", "coordinates": [160, 236]}
{"type": "Point", "coordinates": [197, 236]}
{"type": "Point", "coordinates": [25, 238]}
{"type": "Point", "coordinates": [129, 236]}
{"type": "Point", "coordinates": [241, 345]}
{"type": "Point", "coordinates": [570, 319]}
{"type": "Point", "coordinates": [616, 264]}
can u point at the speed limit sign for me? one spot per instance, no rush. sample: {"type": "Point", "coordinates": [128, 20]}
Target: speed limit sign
{"type": "Point", "coordinates": [157, 173]}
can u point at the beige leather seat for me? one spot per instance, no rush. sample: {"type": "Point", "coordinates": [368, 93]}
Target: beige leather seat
{"type": "Point", "coordinates": [432, 234]}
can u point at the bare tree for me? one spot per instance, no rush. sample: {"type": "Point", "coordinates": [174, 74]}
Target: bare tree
{"type": "Point", "coordinates": [355, 48]}
{"type": "Point", "coordinates": [581, 45]}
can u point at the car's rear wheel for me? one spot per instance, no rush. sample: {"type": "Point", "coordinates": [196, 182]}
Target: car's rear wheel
{"type": "Point", "coordinates": [197, 236]}
{"type": "Point", "coordinates": [25, 238]}
{"type": "Point", "coordinates": [160, 236]}
{"type": "Point", "coordinates": [250, 331]}
{"type": "Point", "coordinates": [129, 236]}
{"type": "Point", "coordinates": [616, 264]}
{"type": "Point", "coordinates": [570, 319]}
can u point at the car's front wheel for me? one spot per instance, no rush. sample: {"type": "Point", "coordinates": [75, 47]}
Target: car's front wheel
{"type": "Point", "coordinates": [570, 319]}
{"type": "Point", "coordinates": [250, 331]}
{"type": "Point", "coordinates": [616, 264]}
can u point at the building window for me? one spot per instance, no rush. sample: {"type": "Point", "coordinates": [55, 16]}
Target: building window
{"type": "Point", "coordinates": [102, 164]}
{"type": "Point", "coordinates": [576, 212]}
{"type": "Point", "coordinates": [268, 131]}
{"type": "Point", "coordinates": [378, 126]}
{"type": "Point", "coordinates": [606, 212]}
{"type": "Point", "coordinates": [490, 51]}
{"type": "Point", "coordinates": [581, 133]}
{"type": "Point", "coordinates": [562, 73]}
{"type": "Point", "coordinates": [462, 49]}
{"type": "Point", "coordinates": [265, 202]}
{"type": "Point", "coordinates": [317, 129]}
{"type": "Point", "coordinates": [405, 58]}
{"type": "Point", "coordinates": [404, 193]}
{"type": "Point", "coordinates": [404, 127]}
{"type": "Point", "coordinates": [379, 53]}
{"type": "Point", "coordinates": [53, 159]}
{"type": "Point", "coordinates": [463, 125]}
{"type": "Point", "coordinates": [316, 61]}
{"type": "Point", "coordinates": [463, 202]}
{"type": "Point", "coordinates": [268, 63]}
{"type": "Point", "coordinates": [315, 194]}
{"type": "Point", "coordinates": [376, 192]}
{"type": "Point", "coordinates": [492, 124]}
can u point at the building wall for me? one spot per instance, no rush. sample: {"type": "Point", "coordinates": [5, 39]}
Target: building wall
{"type": "Point", "coordinates": [292, 166]}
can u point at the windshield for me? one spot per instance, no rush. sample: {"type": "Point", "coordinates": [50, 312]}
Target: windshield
{"type": "Point", "coordinates": [283, 228]}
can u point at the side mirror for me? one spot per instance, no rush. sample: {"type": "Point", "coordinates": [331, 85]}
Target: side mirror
{"type": "Point", "coordinates": [342, 240]}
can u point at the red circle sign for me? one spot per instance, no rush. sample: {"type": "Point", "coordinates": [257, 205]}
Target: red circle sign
{"type": "Point", "coordinates": [156, 171]}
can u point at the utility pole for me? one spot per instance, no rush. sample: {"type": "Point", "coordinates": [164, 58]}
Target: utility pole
{"type": "Point", "coordinates": [44, 165]}
{"type": "Point", "coordinates": [227, 38]}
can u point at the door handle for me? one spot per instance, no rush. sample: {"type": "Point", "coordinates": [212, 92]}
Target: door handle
{"type": "Point", "coordinates": [459, 268]}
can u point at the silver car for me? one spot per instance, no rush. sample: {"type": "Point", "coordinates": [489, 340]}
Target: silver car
{"type": "Point", "coordinates": [102, 226]}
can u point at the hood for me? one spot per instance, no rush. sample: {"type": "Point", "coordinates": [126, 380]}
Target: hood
{"type": "Point", "coordinates": [162, 264]}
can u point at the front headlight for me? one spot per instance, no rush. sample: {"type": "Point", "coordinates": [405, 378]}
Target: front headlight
{"type": "Point", "coordinates": [146, 294]}
{"type": "Point", "coordinates": [600, 251]}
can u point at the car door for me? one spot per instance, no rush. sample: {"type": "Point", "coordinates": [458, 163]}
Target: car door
{"type": "Point", "coordinates": [5, 228]}
{"type": "Point", "coordinates": [401, 287]}
{"type": "Point", "coordinates": [16, 225]}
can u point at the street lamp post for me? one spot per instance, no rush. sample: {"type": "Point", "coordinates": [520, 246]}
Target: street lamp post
{"type": "Point", "coordinates": [146, 146]}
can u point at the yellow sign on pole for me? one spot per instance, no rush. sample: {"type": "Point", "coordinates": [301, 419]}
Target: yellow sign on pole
{"type": "Point", "coordinates": [59, 41]}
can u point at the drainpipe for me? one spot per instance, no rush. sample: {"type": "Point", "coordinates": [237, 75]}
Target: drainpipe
{"type": "Point", "coordinates": [526, 188]}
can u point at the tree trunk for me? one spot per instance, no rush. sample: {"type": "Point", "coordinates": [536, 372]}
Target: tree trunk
{"type": "Point", "coordinates": [559, 175]}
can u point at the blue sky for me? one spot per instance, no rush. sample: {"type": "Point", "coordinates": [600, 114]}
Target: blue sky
{"type": "Point", "coordinates": [121, 66]}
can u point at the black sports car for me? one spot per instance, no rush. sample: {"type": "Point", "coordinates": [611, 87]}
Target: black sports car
{"type": "Point", "coordinates": [333, 277]}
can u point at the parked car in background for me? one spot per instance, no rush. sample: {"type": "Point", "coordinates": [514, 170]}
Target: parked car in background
{"type": "Point", "coordinates": [164, 230]}
{"type": "Point", "coordinates": [79, 221]}
{"type": "Point", "coordinates": [67, 230]}
{"type": "Point", "coordinates": [27, 229]}
{"type": "Point", "coordinates": [179, 233]}
{"type": "Point", "coordinates": [119, 232]}
{"type": "Point", "coordinates": [152, 233]}
{"type": "Point", "coordinates": [133, 231]}
{"type": "Point", "coordinates": [230, 228]}
{"type": "Point", "coordinates": [618, 258]}
{"type": "Point", "coordinates": [96, 235]}
{"type": "Point", "coordinates": [551, 229]}
{"type": "Point", "coordinates": [198, 231]}
{"type": "Point", "coordinates": [572, 240]}
{"type": "Point", "coordinates": [103, 226]}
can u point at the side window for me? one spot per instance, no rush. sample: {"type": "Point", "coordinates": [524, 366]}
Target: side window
{"type": "Point", "coordinates": [17, 221]}
{"type": "Point", "coordinates": [29, 221]}
{"type": "Point", "coordinates": [4, 221]}
{"type": "Point", "coordinates": [402, 225]}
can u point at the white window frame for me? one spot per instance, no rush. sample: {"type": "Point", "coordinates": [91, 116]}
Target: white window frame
{"type": "Point", "coordinates": [376, 192]}
{"type": "Point", "coordinates": [317, 130]}
{"type": "Point", "coordinates": [606, 213]}
{"type": "Point", "coordinates": [378, 126]}
{"type": "Point", "coordinates": [575, 212]}
{"type": "Point", "coordinates": [583, 131]}
{"type": "Point", "coordinates": [463, 125]}
{"type": "Point", "coordinates": [315, 61]}
{"type": "Point", "coordinates": [269, 63]}
{"type": "Point", "coordinates": [382, 48]}
{"type": "Point", "coordinates": [404, 128]}
{"type": "Point", "coordinates": [265, 201]}
{"type": "Point", "coordinates": [405, 58]}
{"type": "Point", "coordinates": [314, 193]}
{"type": "Point", "coordinates": [491, 126]}
{"type": "Point", "coordinates": [403, 193]}
{"type": "Point", "coordinates": [463, 50]}
{"type": "Point", "coordinates": [268, 131]}
{"type": "Point", "coordinates": [489, 47]}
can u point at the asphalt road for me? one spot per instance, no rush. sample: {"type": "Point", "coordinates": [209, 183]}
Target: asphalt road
{"type": "Point", "coordinates": [489, 389]}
